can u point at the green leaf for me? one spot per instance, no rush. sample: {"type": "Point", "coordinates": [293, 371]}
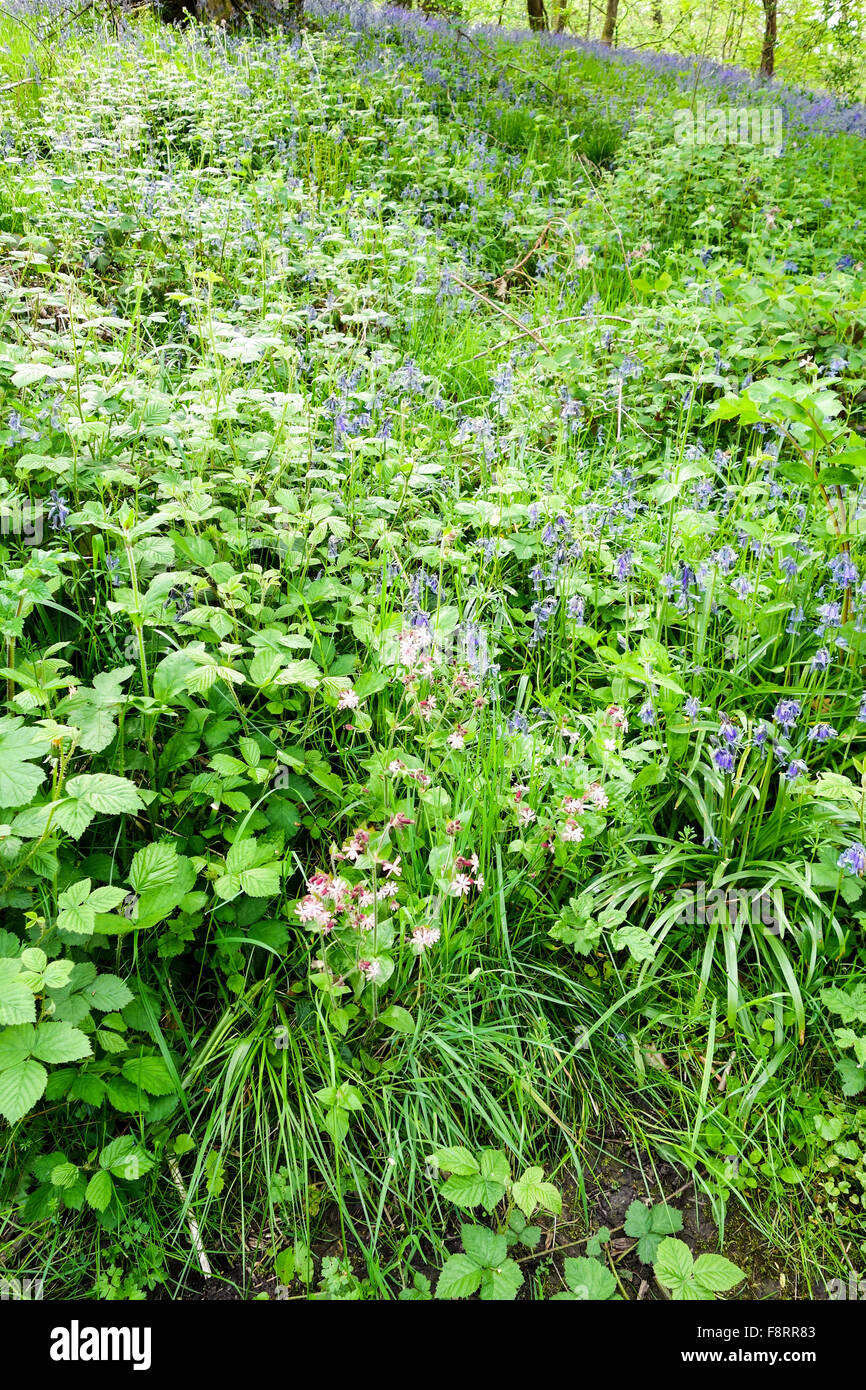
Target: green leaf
{"type": "Point", "coordinates": [125, 1158]}
{"type": "Point", "coordinates": [530, 1191]}
{"type": "Point", "coordinates": [262, 881]}
{"type": "Point", "coordinates": [108, 994]}
{"type": "Point", "coordinates": [675, 1271]}
{"type": "Point", "coordinates": [455, 1160]}
{"type": "Point", "coordinates": [638, 1221]}
{"type": "Point", "coordinates": [150, 1074]}
{"type": "Point", "coordinates": [501, 1284]}
{"type": "Point", "coordinates": [153, 866]}
{"type": "Point", "coordinates": [100, 1191]}
{"type": "Point", "coordinates": [17, 1001]}
{"type": "Point", "coordinates": [20, 1089]}
{"type": "Point", "coordinates": [589, 1280]}
{"type": "Point", "coordinates": [16, 1044]}
{"type": "Point", "coordinates": [60, 1042]}
{"type": "Point", "coordinates": [483, 1246]}
{"type": "Point", "coordinates": [398, 1019]}
{"type": "Point", "coordinates": [104, 793]}
{"type": "Point", "coordinates": [460, 1277]}
{"type": "Point", "coordinates": [639, 943]}
{"type": "Point", "coordinates": [717, 1274]}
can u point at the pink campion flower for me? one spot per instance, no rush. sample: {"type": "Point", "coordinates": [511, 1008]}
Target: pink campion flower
{"type": "Point", "coordinates": [463, 863]}
{"type": "Point", "coordinates": [461, 884]}
{"type": "Point", "coordinates": [453, 827]}
{"type": "Point", "coordinates": [479, 882]}
{"type": "Point", "coordinates": [480, 702]}
{"type": "Point", "coordinates": [571, 832]}
{"type": "Point", "coordinates": [427, 708]}
{"type": "Point", "coordinates": [525, 814]}
{"type": "Point", "coordinates": [574, 806]}
{"type": "Point", "coordinates": [520, 791]}
{"type": "Point", "coordinates": [367, 898]}
{"type": "Point", "coordinates": [388, 890]}
{"type": "Point", "coordinates": [424, 937]}
{"type": "Point", "coordinates": [309, 908]}
{"type": "Point", "coordinates": [457, 739]}
{"type": "Point", "coordinates": [347, 699]}
{"type": "Point", "coordinates": [357, 845]}
{"type": "Point", "coordinates": [391, 868]}
{"type": "Point", "coordinates": [399, 821]}
{"type": "Point", "coordinates": [609, 745]}
{"type": "Point", "coordinates": [370, 969]}
{"type": "Point", "coordinates": [396, 766]}
{"type": "Point", "coordinates": [320, 885]}
{"type": "Point", "coordinates": [617, 717]}
{"type": "Point", "coordinates": [597, 796]}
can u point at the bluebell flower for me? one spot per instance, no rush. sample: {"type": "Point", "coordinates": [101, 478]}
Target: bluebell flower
{"type": "Point", "coordinates": [853, 859]}
{"type": "Point", "coordinates": [623, 567]}
{"type": "Point", "coordinates": [57, 512]}
{"type": "Point", "coordinates": [786, 713]}
{"type": "Point", "coordinates": [843, 570]}
{"type": "Point", "coordinates": [821, 733]}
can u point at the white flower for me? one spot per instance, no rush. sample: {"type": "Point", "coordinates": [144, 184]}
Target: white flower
{"type": "Point", "coordinates": [424, 937]}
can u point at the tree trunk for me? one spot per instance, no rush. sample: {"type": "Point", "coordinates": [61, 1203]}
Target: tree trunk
{"type": "Point", "coordinates": [657, 16]}
{"type": "Point", "coordinates": [609, 28]}
{"type": "Point", "coordinates": [537, 14]}
{"type": "Point", "coordinates": [561, 15]}
{"type": "Point", "coordinates": [768, 48]}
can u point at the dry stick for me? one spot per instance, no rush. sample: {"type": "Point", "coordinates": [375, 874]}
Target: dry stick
{"type": "Point", "coordinates": [491, 303]}
{"type": "Point", "coordinates": [557, 323]}
{"type": "Point", "coordinates": [507, 274]}
{"type": "Point", "coordinates": [191, 1222]}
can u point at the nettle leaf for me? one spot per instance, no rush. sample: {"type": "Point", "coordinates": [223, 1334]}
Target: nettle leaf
{"type": "Point", "coordinates": [483, 1188]}
{"type": "Point", "coordinates": [633, 938]}
{"type": "Point", "coordinates": [16, 1044]}
{"type": "Point", "coordinates": [850, 1005]}
{"type": "Point", "coordinates": [717, 1274]}
{"type": "Point", "coordinates": [21, 1087]}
